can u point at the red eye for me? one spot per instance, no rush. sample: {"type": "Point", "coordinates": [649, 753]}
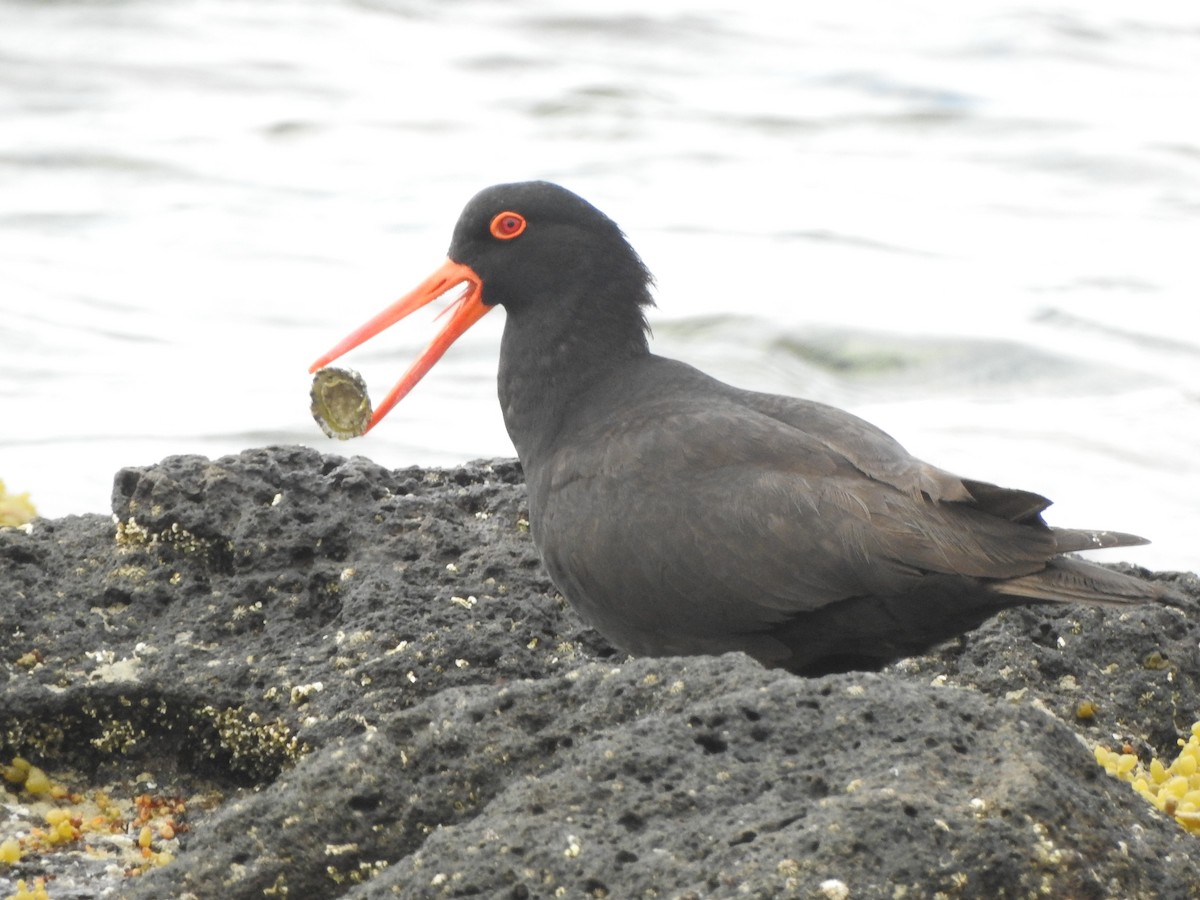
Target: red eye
{"type": "Point", "coordinates": [507, 225]}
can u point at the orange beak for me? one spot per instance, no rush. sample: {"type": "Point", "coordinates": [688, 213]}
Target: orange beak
{"type": "Point", "coordinates": [464, 312]}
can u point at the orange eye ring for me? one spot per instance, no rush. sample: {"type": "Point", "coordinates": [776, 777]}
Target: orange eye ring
{"type": "Point", "coordinates": [507, 225]}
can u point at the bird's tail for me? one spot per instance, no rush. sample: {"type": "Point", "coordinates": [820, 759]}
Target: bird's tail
{"type": "Point", "coordinates": [1067, 580]}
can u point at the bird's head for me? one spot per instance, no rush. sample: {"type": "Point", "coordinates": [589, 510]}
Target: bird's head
{"type": "Point", "coordinates": [532, 247]}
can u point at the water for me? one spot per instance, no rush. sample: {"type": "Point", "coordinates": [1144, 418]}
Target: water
{"type": "Point", "coordinates": [974, 224]}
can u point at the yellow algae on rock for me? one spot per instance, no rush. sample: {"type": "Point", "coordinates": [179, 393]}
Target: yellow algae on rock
{"type": "Point", "coordinates": [15, 509]}
{"type": "Point", "coordinates": [27, 891]}
{"type": "Point", "coordinates": [10, 851]}
{"type": "Point", "coordinates": [17, 771]}
{"type": "Point", "coordinates": [134, 835]}
{"type": "Point", "coordinates": [1173, 788]}
{"type": "Point", "coordinates": [36, 781]}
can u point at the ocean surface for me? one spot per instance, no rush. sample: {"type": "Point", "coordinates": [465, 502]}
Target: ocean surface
{"type": "Point", "coordinates": [975, 224]}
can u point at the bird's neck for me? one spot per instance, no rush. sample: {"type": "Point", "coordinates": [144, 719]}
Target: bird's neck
{"type": "Point", "coordinates": [544, 370]}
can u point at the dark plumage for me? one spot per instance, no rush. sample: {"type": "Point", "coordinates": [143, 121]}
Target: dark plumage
{"type": "Point", "coordinates": [681, 515]}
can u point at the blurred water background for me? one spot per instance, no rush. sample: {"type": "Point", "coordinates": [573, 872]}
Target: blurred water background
{"type": "Point", "coordinates": [976, 224]}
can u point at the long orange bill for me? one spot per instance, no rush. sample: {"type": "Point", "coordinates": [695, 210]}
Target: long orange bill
{"type": "Point", "coordinates": [466, 311]}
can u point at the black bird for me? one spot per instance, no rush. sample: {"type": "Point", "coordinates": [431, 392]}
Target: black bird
{"type": "Point", "coordinates": [680, 515]}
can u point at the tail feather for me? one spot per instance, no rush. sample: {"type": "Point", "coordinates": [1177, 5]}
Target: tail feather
{"type": "Point", "coordinates": [1077, 581]}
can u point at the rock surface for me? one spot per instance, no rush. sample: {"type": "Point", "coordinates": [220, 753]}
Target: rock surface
{"type": "Point", "coordinates": [376, 675]}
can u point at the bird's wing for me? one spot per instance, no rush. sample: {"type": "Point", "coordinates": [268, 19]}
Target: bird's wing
{"type": "Point", "coordinates": [881, 457]}
{"type": "Point", "coordinates": [718, 500]}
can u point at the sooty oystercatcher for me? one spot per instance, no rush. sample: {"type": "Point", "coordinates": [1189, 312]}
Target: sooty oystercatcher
{"type": "Point", "coordinates": [680, 515]}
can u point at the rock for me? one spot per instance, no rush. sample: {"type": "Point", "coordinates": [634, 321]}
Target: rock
{"type": "Point", "coordinates": [373, 671]}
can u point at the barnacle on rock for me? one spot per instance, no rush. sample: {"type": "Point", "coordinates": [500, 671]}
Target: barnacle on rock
{"type": "Point", "coordinates": [1173, 788]}
{"type": "Point", "coordinates": [258, 747]}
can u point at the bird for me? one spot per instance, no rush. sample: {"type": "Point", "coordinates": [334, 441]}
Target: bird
{"type": "Point", "coordinates": [679, 515]}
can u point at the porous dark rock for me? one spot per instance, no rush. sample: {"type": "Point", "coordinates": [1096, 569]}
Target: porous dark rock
{"type": "Point", "coordinates": [375, 673]}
